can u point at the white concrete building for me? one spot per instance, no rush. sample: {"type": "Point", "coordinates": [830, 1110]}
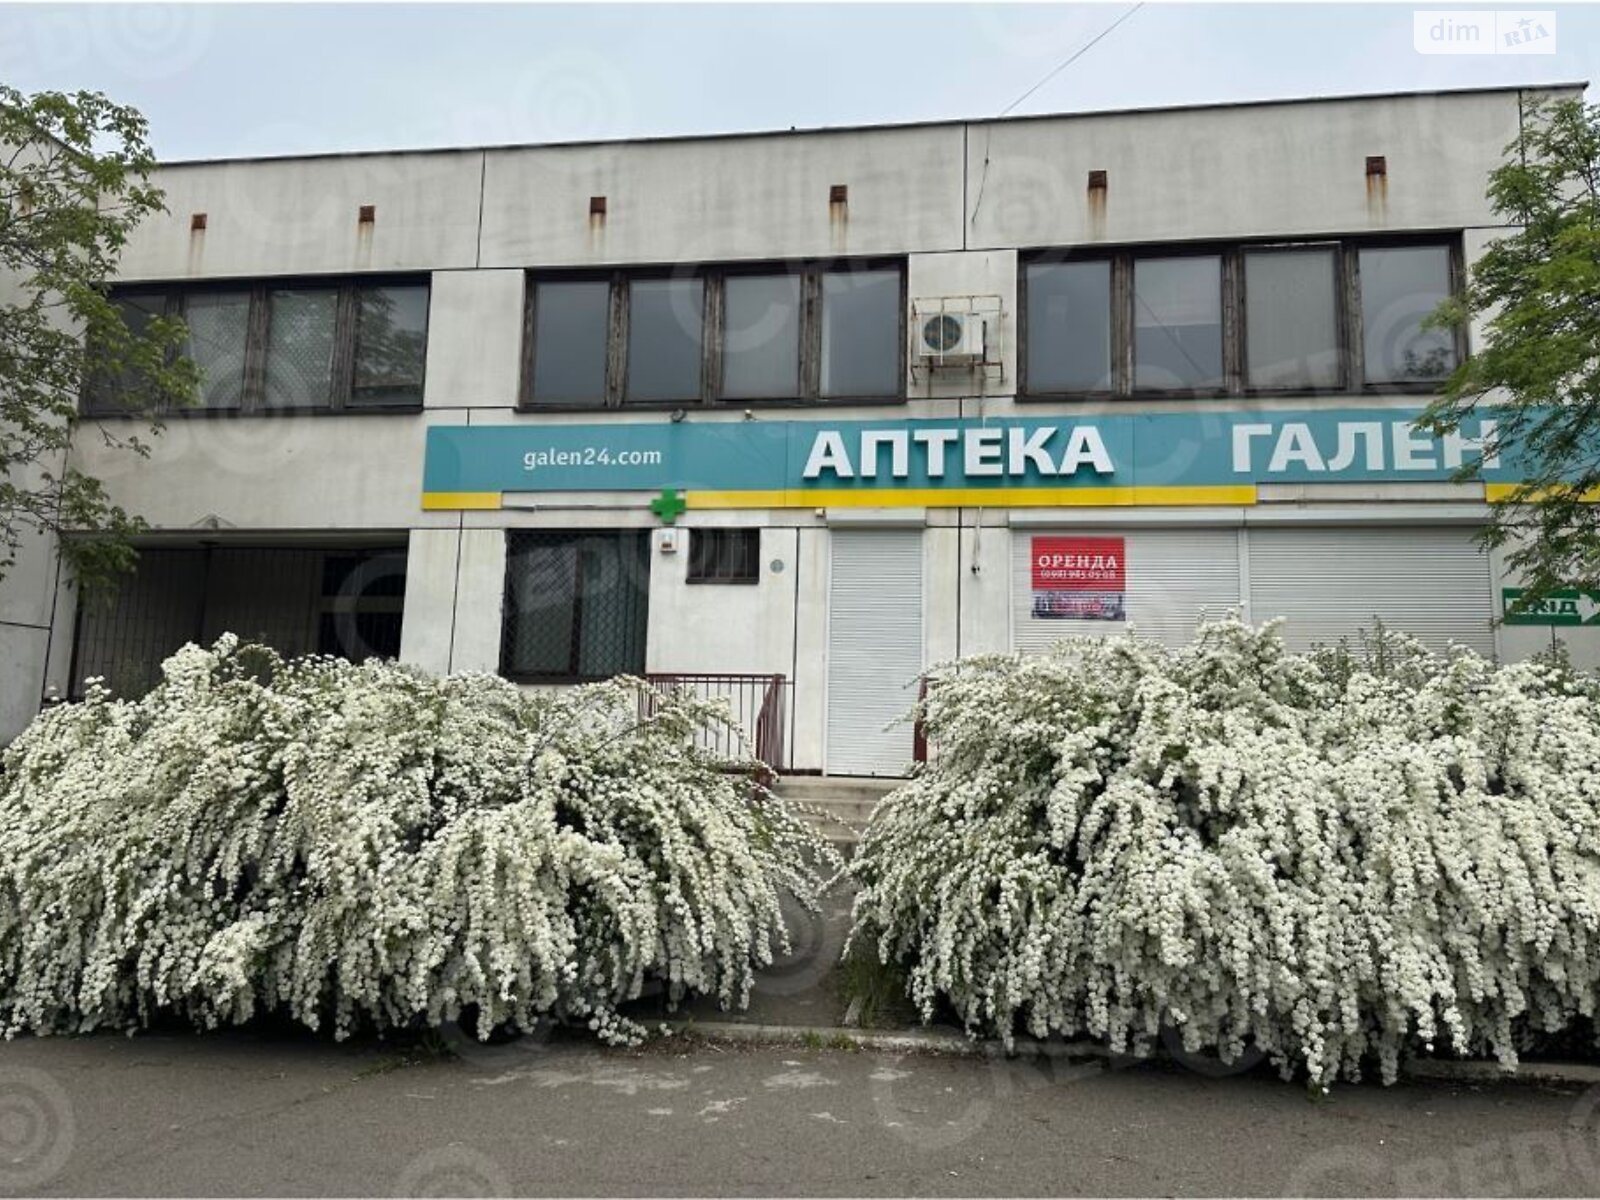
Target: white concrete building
{"type": "Point", "coordinates": [826, 405]}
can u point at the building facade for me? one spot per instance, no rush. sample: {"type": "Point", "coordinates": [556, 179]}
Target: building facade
{"type": "Point", "coordinates": [792, 416]}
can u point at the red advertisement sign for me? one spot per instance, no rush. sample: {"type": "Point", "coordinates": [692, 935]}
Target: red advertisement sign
{"type": "Point", "coordinates": [1079, 564]}
{"type": "Point", "coordinates": [1079, 579]}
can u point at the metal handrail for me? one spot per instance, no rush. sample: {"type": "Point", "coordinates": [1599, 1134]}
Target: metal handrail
{"type": "Point", "coordinates": [757, 703]}
{"type": "Point", "coordinates": [919, 732]}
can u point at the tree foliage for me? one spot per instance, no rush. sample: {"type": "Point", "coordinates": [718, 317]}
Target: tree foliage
{"type": "Point", "coordinates": [1537, 375]}
{"type": "Point", "coordinates": [74, 182]}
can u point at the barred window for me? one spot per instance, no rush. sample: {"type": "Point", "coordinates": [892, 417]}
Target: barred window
{"type": "Point", "coordinates": [576, 604]}
{"type": "Point", "coordinates": [724, 555]}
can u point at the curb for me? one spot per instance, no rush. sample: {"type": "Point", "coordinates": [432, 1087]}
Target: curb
{"type": "Point", "coordinates": [1480, 1070]}
{"type": "Point", "coordinates": [923, 1041]}
{"type": "Point", "coordinates": [958, 1045]}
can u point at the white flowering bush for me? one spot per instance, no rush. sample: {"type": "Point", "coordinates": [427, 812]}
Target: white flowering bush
{"type": "Point", "coordinates": [370, 847]}
{"type": "Point", "coordinates": [1336, 858]}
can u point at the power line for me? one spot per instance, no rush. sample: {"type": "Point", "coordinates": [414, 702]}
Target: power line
{"type": "Point", "coordinates": [1073, 57]}
{"type": "Point", "coordinates": [988, 137]}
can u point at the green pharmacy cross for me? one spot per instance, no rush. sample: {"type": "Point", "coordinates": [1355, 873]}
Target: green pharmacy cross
{"type": "Point", "coordinates": [669, 506]}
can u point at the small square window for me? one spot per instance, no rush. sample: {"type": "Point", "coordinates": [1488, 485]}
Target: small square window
{"type": "Point", "coordinates": [724, 556]}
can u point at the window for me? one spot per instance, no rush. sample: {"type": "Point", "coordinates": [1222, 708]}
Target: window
{"type": "Point", "coordinates": [861, 315]}
{"type": "Point", "coordinates": [219, 327]}
{"type": "Point", "coordinates": [1400, 285]}
{"type": "Point", "coordinates": [1329, 315]}
{"type": "Point", "coordinates": [761, 337]}
{"type": "Point", "coordinates": [724, 556]}
{"type": "Point", "coordinates": [802, 334]}
{"type": "Point", "coordinates": [1291, 319]}
{"type": "Point", "coordinates": [570, 321]}
{"type": "Point", "coordinates": [1177, 323]}
{"type": "Point", "coordinates": [391, 345]}
{"type": "Point", "coordinates": [665, 319]}
{"type": "Point", "coordinates": [300, 348]}
{"type": "Point", "coordinates": [311, 346]}
{"type": "Point", "coordinates": [111, 395]}
{"type": "Point", "coordinates": [1069, 326]}
{"type": "Point", "coordinates": [576, 604]}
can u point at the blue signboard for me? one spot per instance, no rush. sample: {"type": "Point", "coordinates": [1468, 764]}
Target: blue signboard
{"type": "Point", "coordinates": [1150, 458]}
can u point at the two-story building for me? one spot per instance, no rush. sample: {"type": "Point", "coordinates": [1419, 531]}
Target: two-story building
{"type": "Point", "coordinates": [825, 405]}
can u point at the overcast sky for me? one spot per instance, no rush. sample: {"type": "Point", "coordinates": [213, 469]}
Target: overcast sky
{"type": "Point", "coordinates": [219, 81]}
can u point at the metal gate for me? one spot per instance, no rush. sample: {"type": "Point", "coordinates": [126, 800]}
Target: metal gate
{"type": "Point", "coordinates": [1176, 579]}
{"type": "Point", "coordinates": [874, 649]}
{"type": "Point", "coordinates": [298, 600]}
{"type": "Point", "coordinates": [1433, 583]}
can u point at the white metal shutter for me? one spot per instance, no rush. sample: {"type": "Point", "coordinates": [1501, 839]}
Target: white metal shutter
{"type": "Point", "coordinates": [1432, 583]}
{"type": "Point", "coordinates": [1176, 579]}
{"type": "Point", "coordinates": [874, 648]}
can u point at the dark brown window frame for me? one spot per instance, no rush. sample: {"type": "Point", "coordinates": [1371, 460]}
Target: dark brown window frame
{"type": "Point", "coordinates": [342, 400]}
{"type": "Point", "coordinates": [696, 572]}
{"type": "Point", "coordinates": [809, 391]}
{"type": "Point", "coordinates": [1352, 374]}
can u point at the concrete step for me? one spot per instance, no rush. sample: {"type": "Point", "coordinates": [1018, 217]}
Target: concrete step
{"type": "Point", "coordinates": [855, 811]}
{"type": "Point", "coordinates": [846, 804]}
{"type": "Point", "coordinates": [814, 788]}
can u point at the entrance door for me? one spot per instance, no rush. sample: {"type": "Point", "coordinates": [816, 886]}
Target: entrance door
{"type": "Point", "coordinates": [874, 648]}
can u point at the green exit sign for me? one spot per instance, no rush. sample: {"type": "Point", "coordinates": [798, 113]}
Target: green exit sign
{"type": "Point", "coordinates": [1569, 606]}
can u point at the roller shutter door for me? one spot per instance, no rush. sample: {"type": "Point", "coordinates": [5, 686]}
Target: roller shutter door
{"type": "Point", "coordinates": [874, 648]}
{"type": "Point", "coordinates": [1176, 579]}
{"type": "Point", "coordinates": [1433, 583]}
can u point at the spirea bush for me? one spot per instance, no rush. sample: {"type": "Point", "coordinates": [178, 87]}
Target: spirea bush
{"type": "Point", "coordinates": [1338, 857]}
{"type": "Point", "coordinates": [370, 847]}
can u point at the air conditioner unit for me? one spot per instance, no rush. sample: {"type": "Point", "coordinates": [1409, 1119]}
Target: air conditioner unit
{"type": "Point", "coordinates": [948, 337]}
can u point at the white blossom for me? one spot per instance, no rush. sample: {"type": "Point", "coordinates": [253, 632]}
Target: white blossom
{"type": "Point", "coordinates": [1337, 860]}
{"type": "Point", "coordinates": [369, 847]}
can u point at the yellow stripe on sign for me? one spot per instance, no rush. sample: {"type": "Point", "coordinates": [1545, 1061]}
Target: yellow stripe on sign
{"type": "Point", "coordinates": [1020, 497]}
{"type": "Point", "coordinates": [460, 500]}
{"type": "Point", "coordinates": [1495, 492]}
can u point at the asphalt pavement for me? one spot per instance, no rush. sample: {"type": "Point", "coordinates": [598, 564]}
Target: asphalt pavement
{"type": "Point", "coordinates": [241, 1114]}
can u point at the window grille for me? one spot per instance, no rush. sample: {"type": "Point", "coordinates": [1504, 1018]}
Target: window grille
{"type": "Point", "coordinates": [576, 604]}
{"type": "Point", "coordinates": [298, 600]}
{"type": "Point", "coordinates": [724, 555]}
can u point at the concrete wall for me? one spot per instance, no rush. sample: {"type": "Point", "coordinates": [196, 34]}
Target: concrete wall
{"type": "Point", "coordinates": [956, 201]}
{"type": "Point", "coordinates": [1272, 169]}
